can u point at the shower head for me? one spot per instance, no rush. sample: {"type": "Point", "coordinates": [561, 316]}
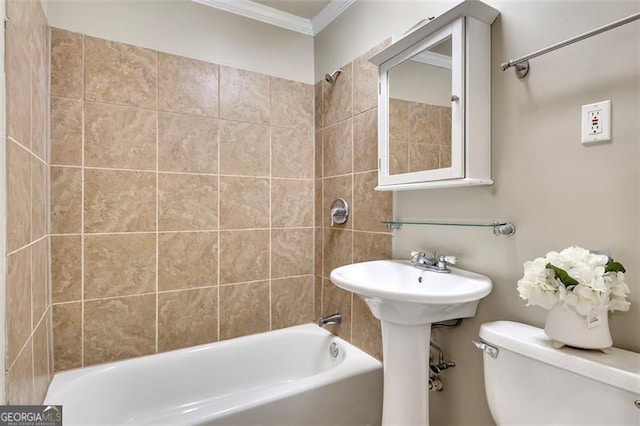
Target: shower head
{"type": "Point", "coordinates": [330, 78]}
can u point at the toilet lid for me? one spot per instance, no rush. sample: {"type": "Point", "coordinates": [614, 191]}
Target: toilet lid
{"type": "Point", "coordinates": [619, 368]}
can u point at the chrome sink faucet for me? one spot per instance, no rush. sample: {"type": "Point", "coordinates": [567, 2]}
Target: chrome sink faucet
{"type": "Point", "coordinates": [433, 263]}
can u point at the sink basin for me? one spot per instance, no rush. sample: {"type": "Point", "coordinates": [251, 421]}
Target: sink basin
{"type": "Point", "coordinates": [407, 300]}
{"type": "Point", "coordinates": [398, 292]}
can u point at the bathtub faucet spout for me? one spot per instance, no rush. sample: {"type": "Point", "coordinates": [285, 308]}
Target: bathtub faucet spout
{"type": "Point", "coordinates": [330, 319]}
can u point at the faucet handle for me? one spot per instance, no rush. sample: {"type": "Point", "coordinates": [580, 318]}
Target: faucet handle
{"type": "Point", "coordinates": [452, 260]}
{"type": "Point", "coordinates": [418, 257]}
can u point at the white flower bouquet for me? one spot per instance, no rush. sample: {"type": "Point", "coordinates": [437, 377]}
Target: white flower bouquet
{"type": "Point", "coordinates": [576, 277]}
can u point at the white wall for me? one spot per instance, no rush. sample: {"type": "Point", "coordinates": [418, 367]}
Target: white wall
{"type": "Point", "coordinates": [556, 191]}
{"type": "Point", "coordinates": [365, 24]}
{"type": "Point", "coordinates": [193, 30]}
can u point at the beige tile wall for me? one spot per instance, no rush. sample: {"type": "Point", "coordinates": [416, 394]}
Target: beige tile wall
{"type": "Point", "coordinates": [419, 136]}
{"type": "Point", "coordinates": [346, 167]}
{"type": "Point", "coordinates": [181, 201]}
{"type": "Point", "coordinates": [29, 359]}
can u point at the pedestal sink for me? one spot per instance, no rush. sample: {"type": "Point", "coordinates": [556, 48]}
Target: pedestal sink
{"type": "Point", "coordinates": [407, 300]}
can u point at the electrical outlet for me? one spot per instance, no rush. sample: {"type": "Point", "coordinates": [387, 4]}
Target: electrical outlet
{"type": "Point", "coordinates": [596, 122]}
{"type": "Point", "coordinates": [595, 125]}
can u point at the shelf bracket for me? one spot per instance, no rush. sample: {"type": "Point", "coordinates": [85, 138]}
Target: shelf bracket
{"type": "Point", "coordinates": [394, 226]}
{"type": "Point", "coordinates": [503, 228]}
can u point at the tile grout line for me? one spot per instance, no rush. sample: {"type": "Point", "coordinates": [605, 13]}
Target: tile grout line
{"type": "Point", "coordinates": [47, 155]}
{"type": "Point", "coordinates": [322, 199]}
{"type": "Point", "coordinates": [97, 234]}
{"type": "Point", "coordinates": [163, 111]}
{"type": "Point", "coordinates": [346, 174]}
{"type": "Point", "coordinates": [191, 288]}
{"type": "Point", "coordinates": [26, 246]}
{"type": "Point", "coordinates": [157, 235]}
{"type": "Point", "coordinates": [218, 315]}
{"type": "Point", "coordinates": [270, 298]}
{"type": "Point", "coordinates": [82, 218]}
{"type": "Point", "coordinates": [170, 172]}
{"type": "Point", "coordinates": [321, 224]}
{"type": "Point", "coordinates": [9, 22]}
{"type": "Point", "coordinates": [179, 290]}
{"type": "Point", "coordinates": [30, 151]}
{"type": "Point", "coordinates": [31, 250]}
{"type": "Point", "coordinates": [353, 192]}
{"type": "Point", "coordinates": [315, 234]}
{"type": "Point", "coordinates": [24, 345]}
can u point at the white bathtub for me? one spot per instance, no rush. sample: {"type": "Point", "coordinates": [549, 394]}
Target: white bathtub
{"type": "Point", "coordinates": [282, 377]}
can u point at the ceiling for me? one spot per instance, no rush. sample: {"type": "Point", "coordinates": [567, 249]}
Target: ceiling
{"type": "Point", "coordinates": [308, 17]}
{"type": "Point", "coordinates": [303, 8]}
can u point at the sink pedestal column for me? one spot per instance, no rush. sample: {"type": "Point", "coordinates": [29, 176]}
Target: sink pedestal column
{"type": "Point", "coordinates": [406, 374]}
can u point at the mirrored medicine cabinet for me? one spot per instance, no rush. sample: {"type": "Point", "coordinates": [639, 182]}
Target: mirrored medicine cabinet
{"type": "Point", "coordinates": [434, 103]}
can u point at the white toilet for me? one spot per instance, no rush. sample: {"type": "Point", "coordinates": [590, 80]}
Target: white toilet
{"type": "Point", "coordinates": [528, 382]}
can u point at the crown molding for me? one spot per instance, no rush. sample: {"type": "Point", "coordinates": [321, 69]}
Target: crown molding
{"type": "Point", "coordinates": [262, 13]}
{"type": "Point", "coordinates": [432, 58]}
{"type": "Point", "coordinates": [328, 14]}
{"type": "Point", "coordinates": [269, 15]}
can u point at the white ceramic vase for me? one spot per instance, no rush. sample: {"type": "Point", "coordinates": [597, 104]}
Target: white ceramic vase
{"type": "Point", "coordinates": [567, 327]}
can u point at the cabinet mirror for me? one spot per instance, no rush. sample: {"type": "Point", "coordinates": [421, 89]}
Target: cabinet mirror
{"type": "Point", "coordinates": [421, 138]}
{"type": "Point", "coordinates": [434, 125]}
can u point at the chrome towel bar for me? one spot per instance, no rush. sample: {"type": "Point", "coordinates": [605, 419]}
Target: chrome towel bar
{"type": "Point", "coordinates": [522, 63]}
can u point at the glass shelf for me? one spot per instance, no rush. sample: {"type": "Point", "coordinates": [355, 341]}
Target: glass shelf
{"type": "Point", "coordinates": [500, 227]}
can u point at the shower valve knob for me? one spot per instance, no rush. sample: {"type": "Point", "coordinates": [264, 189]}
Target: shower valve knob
{"type": "Point", "coordinates": [339, 212]}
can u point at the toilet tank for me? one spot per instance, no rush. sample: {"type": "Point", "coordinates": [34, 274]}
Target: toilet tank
{"type": "Point", "coordinates": [530, 382]}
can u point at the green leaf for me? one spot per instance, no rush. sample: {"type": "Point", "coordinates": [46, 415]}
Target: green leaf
{"type": "Point", "coordinates": [563, 276]}
{"type": "Point", "coordinates": [613, 266]}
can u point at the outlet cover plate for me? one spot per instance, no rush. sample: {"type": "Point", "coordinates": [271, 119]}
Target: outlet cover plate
{"type": "Point", "coordinates": [596, 122]}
